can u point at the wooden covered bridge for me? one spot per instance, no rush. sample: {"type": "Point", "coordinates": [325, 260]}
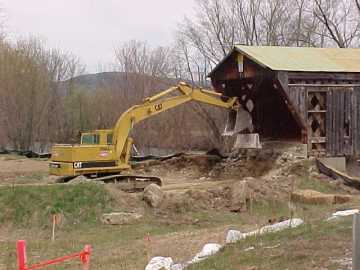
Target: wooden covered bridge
{"type": "Point", "coordinates": [309, 95]}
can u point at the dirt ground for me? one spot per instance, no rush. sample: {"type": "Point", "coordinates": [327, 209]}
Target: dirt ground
{"type": "Point", "coordinates": [198, 206]}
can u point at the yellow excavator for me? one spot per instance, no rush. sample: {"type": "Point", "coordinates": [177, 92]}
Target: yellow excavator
{"type": "Point", "coordinates": [103, 155]}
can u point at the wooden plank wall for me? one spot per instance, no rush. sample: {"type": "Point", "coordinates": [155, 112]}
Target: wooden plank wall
{"type": "Point", "coordinates": [342, 103]}
{"type": "Point", "coordinates": [340, 108]}
{"type": "Point", "coordinates": [356, 120]}
{"type": "Point", "coordinates": [297, 96]}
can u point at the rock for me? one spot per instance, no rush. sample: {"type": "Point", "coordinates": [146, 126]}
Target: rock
{"type": "Point", "coordinates": [315, 175]}
{"type": "Point", "coordinates": [153, 195]}
{"type": "Point", "coordinates": [79, 180]}
{"type": "Point", "coordinates": [233, 236]}
{"type": "Point", "coordinates": [207, 251]}
{"type": "Point", "coordinates": [239, 194]}
{"type": "Point", "coordinates": [120, 218]}
{"type": "Point", "coordinates": [160, 263]}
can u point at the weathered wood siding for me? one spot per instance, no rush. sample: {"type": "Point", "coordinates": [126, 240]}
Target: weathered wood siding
{"type": "Point", "coordinates": [356, 120]}
{"type": "Point", "coordinates": [343, 109]}
{"type": "Point", "coordinates": [297, 96]}
{"type": "Point", "coordinates": [339, 115]}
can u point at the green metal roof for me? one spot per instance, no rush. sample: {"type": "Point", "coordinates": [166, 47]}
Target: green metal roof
{"type": "Point", "coordinates": [303, 59]}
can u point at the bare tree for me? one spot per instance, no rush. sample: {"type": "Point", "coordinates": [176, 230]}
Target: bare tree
{"type": "Point", "coordinates": [357, 2]}
{"type": "Point", "coordinates": [337, 16]}
{"type": "Point", "coordinates": [32, 106]}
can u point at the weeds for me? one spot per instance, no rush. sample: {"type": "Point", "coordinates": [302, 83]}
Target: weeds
{"type": "Point", "coordinates": [33, 205]}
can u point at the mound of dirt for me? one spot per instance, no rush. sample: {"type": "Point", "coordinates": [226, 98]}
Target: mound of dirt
{"type": "Point", "coordinates": [233, 197]}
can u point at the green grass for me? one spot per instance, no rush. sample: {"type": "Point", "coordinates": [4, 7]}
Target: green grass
{"type": "Point", "coordinates": [309, 183]}
{"type": "Point", "coordinates": [24, 206]}
{"type": "Point", "coordinates": [305, 181]}
{"type": "Point", "coordinates": [27, 212]}
{"type": "Point", "coordinates": [305, 247]}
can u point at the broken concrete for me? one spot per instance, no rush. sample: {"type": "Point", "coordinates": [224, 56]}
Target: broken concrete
{"type": "Point", "coordinates": [247, 141]}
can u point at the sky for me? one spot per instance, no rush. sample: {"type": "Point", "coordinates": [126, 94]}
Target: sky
{"type": "Point", "coordinates": [91, 29]}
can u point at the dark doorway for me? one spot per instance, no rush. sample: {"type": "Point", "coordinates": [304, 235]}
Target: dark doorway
{"type": "Point", "coordinates": [272, 118]}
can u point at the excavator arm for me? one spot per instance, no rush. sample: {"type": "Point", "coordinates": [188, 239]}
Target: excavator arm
{"type": "Point", "coordinates": [160, 103]}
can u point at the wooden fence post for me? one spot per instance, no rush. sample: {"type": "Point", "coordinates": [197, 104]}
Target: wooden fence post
{"type": "Point", "coordinates": [356, 242]}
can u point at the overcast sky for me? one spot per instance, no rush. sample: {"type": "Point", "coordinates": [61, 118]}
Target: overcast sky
{"type": "Point", "coordinates": [92, 28]}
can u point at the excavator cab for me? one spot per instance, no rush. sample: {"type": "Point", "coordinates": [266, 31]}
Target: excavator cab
{"type": "Point", "coordinates": [94, 153]}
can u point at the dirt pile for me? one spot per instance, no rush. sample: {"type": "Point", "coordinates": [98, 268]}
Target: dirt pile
{"type": "Point", "coordinates": [230, 184]}
{"type": "Point", "coordinates": [187, 165]}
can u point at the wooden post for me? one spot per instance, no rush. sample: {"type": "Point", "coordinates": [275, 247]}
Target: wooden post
{"type": "Point", "coordinates": [356, 242]}
{"type": "Point", "coordinates": [53, 228]}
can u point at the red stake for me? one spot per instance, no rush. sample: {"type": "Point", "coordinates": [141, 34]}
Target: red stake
{"type": "Point", "coordinates": [21, 252]}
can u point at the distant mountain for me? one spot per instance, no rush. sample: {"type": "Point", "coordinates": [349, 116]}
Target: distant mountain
{"type": "Point", "coordinates": [95, 81]}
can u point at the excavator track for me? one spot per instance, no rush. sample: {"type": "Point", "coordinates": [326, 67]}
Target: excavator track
{"type": "Point", "coordinates": [130, 183]}
{"type": "Point", "coordinates": [127, 183]}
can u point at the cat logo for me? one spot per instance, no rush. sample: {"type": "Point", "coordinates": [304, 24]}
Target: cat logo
{"type": "Point", "coordinates": [77, 165]}
{"type": "Point", "coordinates": [158, 107]}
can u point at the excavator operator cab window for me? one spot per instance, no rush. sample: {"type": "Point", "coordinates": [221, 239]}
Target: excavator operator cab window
{"type": "Point", "coordinates": [110, 139]}
{"type": "Point", "coordinates": [90, 139]}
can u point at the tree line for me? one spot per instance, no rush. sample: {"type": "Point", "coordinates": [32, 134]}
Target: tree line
{"type": "Point", "coordinates": [41, 103]}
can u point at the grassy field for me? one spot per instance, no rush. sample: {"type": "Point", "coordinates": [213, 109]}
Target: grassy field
{"type": "Point", "coordinates": [27, 215]}
{"type": "Point", "coordinates": [310, 246]}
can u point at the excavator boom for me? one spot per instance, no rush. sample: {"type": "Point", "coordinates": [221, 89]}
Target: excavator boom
{"type": "Point", "coordinates": [159, 103]}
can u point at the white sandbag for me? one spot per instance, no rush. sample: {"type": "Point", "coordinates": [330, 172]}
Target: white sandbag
{"type": "Point", "coordinates": [233, 236]}
{"type": "Point", "coordinates": [179, 266]}
{"type": "Point", "coordinates": [290, 223]}
{"type": "Point", "coordinates": [344, 213]}
{"type": "Point", "coordinates": [207, 251]}
{"type": "Point", "coordinates": [158, 263]}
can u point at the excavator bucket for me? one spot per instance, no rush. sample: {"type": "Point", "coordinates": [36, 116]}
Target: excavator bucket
{"type": "Point", "coordinates": [238, 121]}
{"type": "Point", "coordinates": [230, 123]}
{"type": "Point", "coordinates": [239, 124]}
{"type": "Point", "coordinates": [247, 141]}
